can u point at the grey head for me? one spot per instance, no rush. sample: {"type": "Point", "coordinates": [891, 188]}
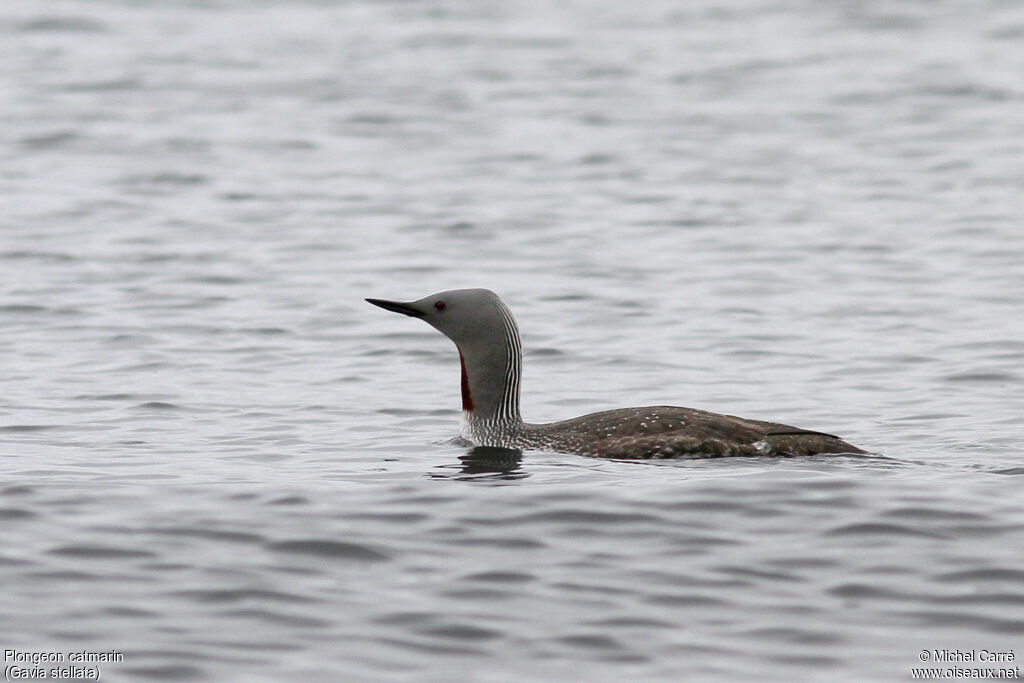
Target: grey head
{"type": "Point", "coordinates": [466, 316]}
{"type": "Point", "coordinates": [487, 338]}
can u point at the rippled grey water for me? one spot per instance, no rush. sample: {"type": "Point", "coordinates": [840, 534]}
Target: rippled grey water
{"type": "Point", "coordinates": [220, 462]}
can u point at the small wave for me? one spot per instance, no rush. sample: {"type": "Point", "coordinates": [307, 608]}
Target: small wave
{"type": "Point", "coordinates": [230, 596]}
{"type": "Point", "coordinates": [10, 514]}
{"type": "Point", "coordinates": [983, 575]}
{"type": "Point", "coordinates": [158, 405]}
{"type": "Point", "coordinates": [169, 672]}
{"type": "Point", "coordinates": [879, 529]}
{"type": "Point", "coordinates": [500, 577]}
{"type": "Point", "coordinates": [332, 549]}
{"type": "Point", "coordinates": [275, 617]}
{"type": "Point", "coordinates": [1013, 471]}
{"type": "Point", "coordinates": [23, 308]}
{"type": "Point", "coordinates": [55, 140]}
{"type": "Point", "coordinates": [461, 632]}
{"type": "Point", "coordinates": [116, 84]}
{"type": "Point", "coordinates": [507, 543]}
{"type": "Point", "coordinates": [210, 534]}
{"type": "Point", "coordinates": [67, 24]}
{"type": "Point", "coordinates": [96, 552]}
{"type": "Point", "coordinates": [981, 377]}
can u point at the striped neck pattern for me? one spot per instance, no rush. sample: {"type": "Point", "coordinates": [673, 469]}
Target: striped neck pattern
{"type": "Point", "coordinates": [492, 382]}
{"type": "Point", "coordinates": [508, 407]}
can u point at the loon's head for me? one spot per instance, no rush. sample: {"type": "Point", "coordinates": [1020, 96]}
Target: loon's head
{"type": "Point", "coordinates": [469, 317]}
{"type": "Point", "coordinates": [487, 338]}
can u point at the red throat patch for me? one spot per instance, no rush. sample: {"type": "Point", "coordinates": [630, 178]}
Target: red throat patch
{"type": "Point", "coordinates": [467, 398]}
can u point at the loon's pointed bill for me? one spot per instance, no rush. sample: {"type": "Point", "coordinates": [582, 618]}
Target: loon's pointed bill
{"type": "Point", "coordinates": [490, 351]}
{"type": "Point", "coordinates": [398, 307]}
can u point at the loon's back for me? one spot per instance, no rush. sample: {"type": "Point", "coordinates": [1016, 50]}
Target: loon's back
{"type": "Point", "coordinates": [670, 431]}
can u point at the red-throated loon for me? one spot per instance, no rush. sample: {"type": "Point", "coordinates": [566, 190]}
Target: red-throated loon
{"type": "Point", "coordinates": [490, 352]}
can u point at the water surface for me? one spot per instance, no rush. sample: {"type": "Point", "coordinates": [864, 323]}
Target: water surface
{"type": "Point", "coordinates": [219, 461]}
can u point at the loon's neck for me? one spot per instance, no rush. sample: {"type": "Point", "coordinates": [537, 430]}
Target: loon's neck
{"type": "Point", "coordinates": [491, 371]}
{"type": "Point", "coordinates": [491, 432]}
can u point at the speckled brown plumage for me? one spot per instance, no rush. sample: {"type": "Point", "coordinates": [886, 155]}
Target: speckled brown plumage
{"type": "Point", "coordinates": [671, 432]}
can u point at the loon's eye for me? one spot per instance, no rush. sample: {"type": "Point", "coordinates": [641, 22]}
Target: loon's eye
{"type": "Point", "coordinates": [439, 305]}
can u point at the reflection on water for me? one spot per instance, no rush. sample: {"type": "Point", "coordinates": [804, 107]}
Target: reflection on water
{"type": "Point", "coordinates": [484, 459]}
{"type": "Point", "coordinates": [500, 463]}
